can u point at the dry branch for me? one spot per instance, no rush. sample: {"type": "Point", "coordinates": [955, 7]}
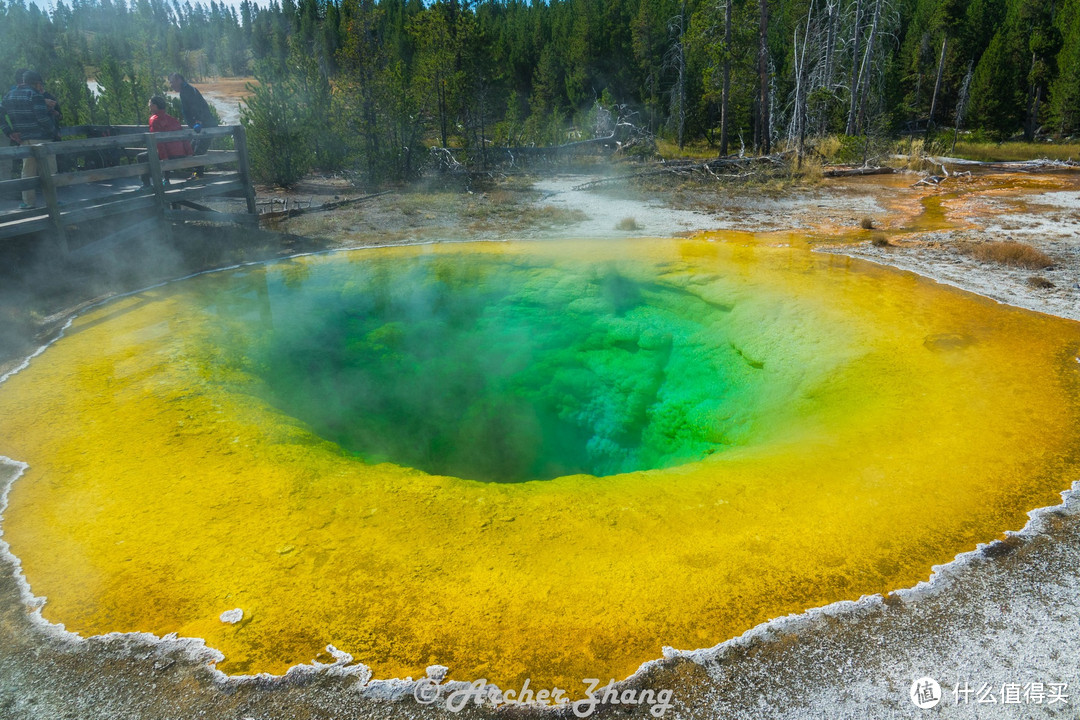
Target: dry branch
{"type": "Point", "coordinates": [845, 171]}
{"type": "Point", "coordinates": [1028, 166]}
{"type": "Point", "coordinates": [690, 167]}
{"type": "Point", "coordinates": [318, 208]}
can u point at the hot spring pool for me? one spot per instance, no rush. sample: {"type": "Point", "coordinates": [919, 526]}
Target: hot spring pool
{"type": "Point", "coordinates": [540, 461]}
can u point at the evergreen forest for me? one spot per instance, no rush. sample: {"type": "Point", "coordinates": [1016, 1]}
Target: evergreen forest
{"type": "Point", "coordinates": [373, 86]}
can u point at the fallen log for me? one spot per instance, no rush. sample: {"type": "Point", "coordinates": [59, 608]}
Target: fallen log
{"type": "Point", "coordinates": [1026, 166]}
{"type": "Point", "coordinates": [684, 166]}
{"type": "Point", "coordinates": [845, 171]}
{"type": "Point", "coordinates": [277, 215]}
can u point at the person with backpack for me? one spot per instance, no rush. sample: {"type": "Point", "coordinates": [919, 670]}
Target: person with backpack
{"type": "Point", "coordinates": [196, 113]}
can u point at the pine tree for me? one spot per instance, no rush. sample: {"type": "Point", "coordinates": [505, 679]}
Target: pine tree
{"type": "Point", "coordinates": [997, 86]}
{"type": "Point", "coordinates": [1065, 89]}
{"type": "Point", "coordinates": [1044, 42]}
{"type": "Point", "coordinates": [278, 135]}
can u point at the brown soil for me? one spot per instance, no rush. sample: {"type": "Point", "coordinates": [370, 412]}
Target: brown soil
{"type": "Point", "coordinates": [234, 88]}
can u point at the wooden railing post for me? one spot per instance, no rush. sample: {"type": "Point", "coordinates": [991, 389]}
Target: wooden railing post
{"type": "Point", "coordinates": [157, 182]}
{"type": "Point", "coordinates": [240, 145]}
{"type": "Point", "coordinates": [42, 153]}
{"type": "Point", "coordinates": [157, 179]}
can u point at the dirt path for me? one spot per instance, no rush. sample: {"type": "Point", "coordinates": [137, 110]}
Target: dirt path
{"type": "Point", "coordinates": [226, 95]}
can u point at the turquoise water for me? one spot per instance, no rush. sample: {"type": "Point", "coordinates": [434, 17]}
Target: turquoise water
{"type": "Point", "coordinates": [476, 367]}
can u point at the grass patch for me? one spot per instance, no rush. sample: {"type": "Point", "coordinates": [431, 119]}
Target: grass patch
{"type": "Point", "coordinates": [550, 215]}
{"type": "Point", "coordinates": [1040, 283]}
{"type": "Point", "coordinates": [914, 154]}
{"type": "Point", "coordinates": [1011, 253]}
{"type": "Point", "coordinates": [508, 213]}
{"type": "Point", "coordinates": [627, 224]}
{"type": "Point", "coordinates": [698, 149]}
{"type": "Point", "coordinates": [829, 147]}
{"type": "Point", "coordinates": [426, 203]}
{"type": "Point", "coordinates": [501, 197]}
{"type": "Point", "coordinates": [1016, 151]}
{"type": "Point", "coordinates": [849, 149]}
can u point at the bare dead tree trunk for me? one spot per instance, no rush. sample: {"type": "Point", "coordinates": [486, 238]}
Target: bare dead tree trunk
{"type": "Point", "coordinates": [682, 76]}
{"type": "Point", "coordinates": [725, 94]}
{"type": "Point", "coordinates": [937, 82]}
{"type": "Point", "coordinates": [483, 123]}
{"type": "Point", "coordinates": [1034, 96]}
{"type": "Point", "coordinates": [763, 77]}
{"type": "Point", "coordinates": [1032, 124]}
{"type": "Point", "coordinates": [854, 67]}
{"type": "Point", "coordinates": [864, 71]}
{"type": "Point", "coordinates": [443, 112]}
{"type": "Point", "coordinates": [793, 127]}
{"type": "Point", "coordinates": [1036, 91]}
{"type": "Point", "coordinates": [652, 83]}
{"type": "Point", "coordinates": [800, 97]}
{"type": "Point", "coordinates": [676, 59]}
{"type": "Point", "coordinates": [961, 104]}
{"type": "Point", "coordinates": [833, 8]}
{"type": "Point", "coordinates": [796, 115]}
{"type": "Point", "coordinates": [830, 41]}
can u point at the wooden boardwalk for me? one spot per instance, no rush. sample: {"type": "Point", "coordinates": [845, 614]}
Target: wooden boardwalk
{"type": "Point", "coordinates": [98, 194]}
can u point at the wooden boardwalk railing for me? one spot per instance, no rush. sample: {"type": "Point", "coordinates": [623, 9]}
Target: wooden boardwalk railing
{"type": "Point", "coordinates": [105, 191]}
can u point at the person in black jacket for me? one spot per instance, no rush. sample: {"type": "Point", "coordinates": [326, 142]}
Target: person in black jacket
{"type": "Point", "coordinates": [7, 171]}
{"type": "Point", "coordinates": [196, 112]}
{"type": "Point", "coordinates": [29, 118]}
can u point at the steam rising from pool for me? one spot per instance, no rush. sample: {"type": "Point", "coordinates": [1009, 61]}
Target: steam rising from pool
{"type": "Point", "coordinates": [506, 371]}
{"type": "Point", "coordinates": [346, 448]}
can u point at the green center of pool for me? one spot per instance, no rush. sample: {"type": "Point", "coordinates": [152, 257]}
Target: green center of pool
{"type": "Point", "coordinates": [504, 372]}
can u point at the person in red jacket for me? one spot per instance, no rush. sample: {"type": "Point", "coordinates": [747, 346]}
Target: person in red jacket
{"type": "Point", "coordinates": [161, 121]}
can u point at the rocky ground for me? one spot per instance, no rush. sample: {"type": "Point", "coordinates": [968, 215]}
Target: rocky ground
{"type": "Point", "coordinates": [998, 628]}
{"type": "Point", "coordinates": [1038, 210]}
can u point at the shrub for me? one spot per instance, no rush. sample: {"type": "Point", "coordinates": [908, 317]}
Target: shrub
{"type": "Point", "coordinates": [627, 224]}
{"type": "Point", "coordinates": [277, 133]}
{"type": "Point", "coordinates": [866, 223]}
{"type": "Point", "coordinates": [1010, 252]}
{"type": "Point", "coordinates": [286, 122]}
{"type": "Point", "coordinates": [844, 149]}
